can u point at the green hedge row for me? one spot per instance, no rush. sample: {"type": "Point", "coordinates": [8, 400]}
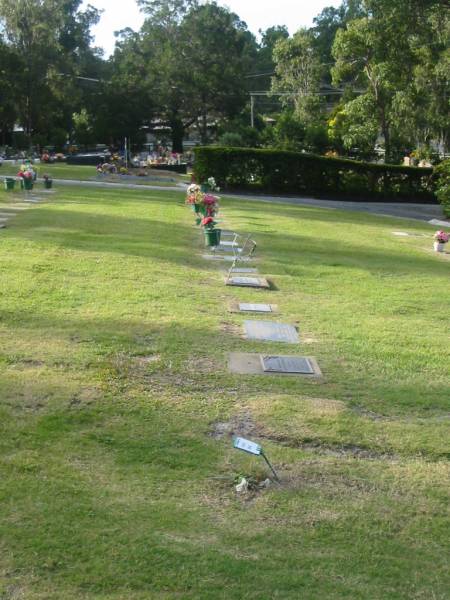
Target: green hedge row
{"type": "Point", "coordinates": [278, 171]}
{"type": "Point", "coordinates": [442, 172]}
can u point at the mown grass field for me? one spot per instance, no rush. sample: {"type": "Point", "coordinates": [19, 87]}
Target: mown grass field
{"type": "Point", "coordinates": [117, 469]}
{"type": "Point", "coordinates": [87, 173]}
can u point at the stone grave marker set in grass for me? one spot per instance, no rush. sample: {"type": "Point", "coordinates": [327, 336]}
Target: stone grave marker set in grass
{"type": "Point", "coordinates": [280, 365]}
{"type": "Point", "coordinates": [263, 308]}
{"type": "Point", "coordinates": [257, 308]}
{"type": "Point", "coordinates": [243, 270]}
{"type": "Point", "coordinates": [267, 331]}
{"type": "Point", "coordinates": [252, 282]}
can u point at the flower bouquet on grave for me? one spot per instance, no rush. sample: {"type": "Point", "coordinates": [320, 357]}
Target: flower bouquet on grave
{"type": "Point", "coordinates": [210, 185]}
{"type": "Point", "coordinates": [26, 179]}
{"type": "Point", "coordinates": [440, 239]}
{"type": "Point", "coordinates": [194, 198]}
{"type": "Point", "coordinates": [212, 235]}
{"type": "Point", "coordinates": [211, 204]}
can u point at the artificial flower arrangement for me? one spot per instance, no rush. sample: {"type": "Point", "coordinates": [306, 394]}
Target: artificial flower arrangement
{"type": "Point", "coordinates": [194, 194]}
{"type": "Point", "coordinates": [441, 237]}
{"type": "Point", "coordinates": [26, 177]}
{"type": "Point", "coordinates": [208, 223]}
{"type": "Point", "coordinates": [203, 201]}
{"type": "Point", "coordinates": [211, 185]}
{"type": "Point", "coordinates": [25, 174]}
{"type": "Point", "coordinates": [211, 204]}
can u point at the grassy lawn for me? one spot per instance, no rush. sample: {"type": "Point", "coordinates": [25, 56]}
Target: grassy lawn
{"type": "Point", "coordinates": [113, 370]}
{"type": "Point", "coordinates": [88, 173]}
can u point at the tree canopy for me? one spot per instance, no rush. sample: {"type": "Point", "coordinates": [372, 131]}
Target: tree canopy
{"type": "Point", "coordinates": [367, 74]}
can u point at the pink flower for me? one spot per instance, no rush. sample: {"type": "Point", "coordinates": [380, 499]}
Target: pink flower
{"type": "Point", "coordinates": [209, 200]}
{"type": "Point", "coordinates": [441, 237]}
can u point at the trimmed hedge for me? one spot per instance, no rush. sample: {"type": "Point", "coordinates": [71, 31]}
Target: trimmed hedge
{"type": "Point", "coordinates": [443, 185]}
{"type": "Point", "coordinates": [296, 173]}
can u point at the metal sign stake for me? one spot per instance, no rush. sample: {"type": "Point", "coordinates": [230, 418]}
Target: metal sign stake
{"type": "Point", "coordinates": [253, 448]}
{"type": "Point", "coordinates": [270, 466]}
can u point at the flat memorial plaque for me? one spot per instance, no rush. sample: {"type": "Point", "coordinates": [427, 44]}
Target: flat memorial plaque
{"type": "Point", "coordinates": [254, 282]}
{"type": "Point", "coordinates": [244, 270]}
{"type": "Point", "coordinates": [228, 258]}
{"type": "Point", "coordinates": [264, 308]}
{"type": "Point", "coordinates": [271, 332]}
{"type": "Point", "coordinates": [286, 364]}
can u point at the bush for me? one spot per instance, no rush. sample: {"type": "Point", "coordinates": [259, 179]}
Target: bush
{"type": "Point", "coordinates": [294, 172]}
{"type": "Point", "coordinates": [230, 138]}
{"type": "Point", "coordinates": [443, 185]}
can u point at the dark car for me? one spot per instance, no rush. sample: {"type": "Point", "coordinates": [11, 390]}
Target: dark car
{"type": "Point", "coordinates": [88, 158]}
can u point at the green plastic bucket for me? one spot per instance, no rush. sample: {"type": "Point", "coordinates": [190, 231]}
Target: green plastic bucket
{"type": "Point", "coordinates": [212, 237]}
{"type": "Point", "coordinates": [9, 184]}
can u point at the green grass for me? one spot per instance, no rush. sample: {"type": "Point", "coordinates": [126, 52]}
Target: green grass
{"type": "Point", "coordinates": [88, 173]}
{"type": "Point", "coordinates": [114, 341]}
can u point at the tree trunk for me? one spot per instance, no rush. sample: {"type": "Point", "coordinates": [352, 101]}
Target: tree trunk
{"type": "Point", "coordinates": [204, 127]}
{"type": "Point", "coordinates": [387, 137]}
{"type": "Point", "coordinates": [177, 127]}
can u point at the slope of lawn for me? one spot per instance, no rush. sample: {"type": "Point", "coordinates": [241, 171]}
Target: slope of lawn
{"type": "Point", "coordinates": [116, 406]}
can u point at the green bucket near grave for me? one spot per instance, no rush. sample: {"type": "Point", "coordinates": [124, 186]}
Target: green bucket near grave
{"type": "Point", "coordinates": [48, 184]}
{"type": "Point", "coordinates": [27, 184]}
{"type": "Point", "coordinates": [212, 237]}
{"type": "Point", "coordinates": [9, 183]}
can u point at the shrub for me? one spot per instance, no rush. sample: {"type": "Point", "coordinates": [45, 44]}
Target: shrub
{"type": "Point", "coordinates": [294, 172]}
{"type": "Point", "coordinates": [443, 185]}
{"type": "Point", "coordinates": [230, 138]}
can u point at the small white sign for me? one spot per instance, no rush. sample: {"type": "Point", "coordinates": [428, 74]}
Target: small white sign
{"type": "Point", "coordinates": [247, 446]}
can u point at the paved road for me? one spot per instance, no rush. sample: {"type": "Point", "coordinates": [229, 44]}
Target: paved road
{"type": "Point", "coordinates": [421, 212]}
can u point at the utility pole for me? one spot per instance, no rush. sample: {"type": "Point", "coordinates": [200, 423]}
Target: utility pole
{"type": "Point", "coordinates": [252, 110]}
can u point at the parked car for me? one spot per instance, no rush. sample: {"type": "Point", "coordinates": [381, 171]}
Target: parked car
{"type": "Point", "coordinates": [88, 158]}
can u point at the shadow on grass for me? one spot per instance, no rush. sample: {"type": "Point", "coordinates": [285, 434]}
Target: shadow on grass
{"type": "Point", "coordinates": [144, 237]}
{"type": "Point", "coordinates": [306, 251]}
{"type": "Point", "coordinates": [312, 213]}
{"type": "Point", "coordinates": [184, 360]}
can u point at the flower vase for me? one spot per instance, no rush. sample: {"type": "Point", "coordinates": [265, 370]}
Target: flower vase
{"type": "Point", "coordinates": [439, 246]}
{"type": "Point", "coordinates": [9, 183]}
{"type": "Point", "coordinates": [212, 237]}
{"type": "Point", "coordinates": [28, 184]}
{"type": "Point", "coordinates": [48, 184]}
